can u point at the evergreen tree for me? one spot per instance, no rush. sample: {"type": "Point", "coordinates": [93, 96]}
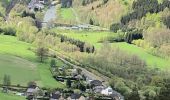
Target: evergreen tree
{"type": "Point", "coordinates": [134, 95]}
{"type": "Point", "coordinates": [53, 63]}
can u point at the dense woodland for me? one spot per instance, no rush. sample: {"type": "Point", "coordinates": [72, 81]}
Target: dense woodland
{"type": "Point", "coordinates": [129, 74]}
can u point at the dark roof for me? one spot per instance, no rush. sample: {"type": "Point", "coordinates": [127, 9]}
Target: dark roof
{"type": "Point", "coordinates": [75, 96]}
{"type": "Point", "coordinates": [56, 95]}
{"type": "Point", "coordinates": [32, 86]}
{"type": "Point", "coordinates": [96, 83]}
{"type": "Point", "coordinates": [114, 95]}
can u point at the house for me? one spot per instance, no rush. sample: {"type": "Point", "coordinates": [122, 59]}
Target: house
{"type": "Point", "coordinates": [66, 3]}
{"type": "Point", "coordinates": [95, 83]}
{"type": "Point", "coordinates": [36, 5]}
{"type": "Point", "coordinates": [98, 89]}
{"type": "Point", "coordinates": [107, 91]}
{"type": "Point", "coordinates": [115, 97]}
{"type": "Point", "coordinates": [56, 96]}
{"type": "Point", "coordinates": [32, 91]}
{"type": "Point", "coordinates": [41, 1]}
{"type": "Point", "coordinates": [76, 96]}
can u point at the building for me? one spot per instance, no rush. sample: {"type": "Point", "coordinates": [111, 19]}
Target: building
{"type": "Point", "coordinates": [66, 3]}
{"type": "Point", "coordinates": [98, 89]}
{"type": "Point", "coordinates": [36, 5]}
{"type": "Point", "coordinates": [56, 96]}
{"type": "Point", "coordinates": [95, 83]}
{"type": "Point", "coordinates": [76, 96]}
{"type": "Point", "coordinates": [32, 91]}
{"type": "Point", "coordinates": [107, 91]}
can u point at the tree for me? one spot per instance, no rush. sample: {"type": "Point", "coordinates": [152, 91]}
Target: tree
{"type": "Point", "coordinates": [68, 83]}
{"type": "Point", "coordinates": [31, 84]}
{"type": "Point", "coordinates": [165, 90]}
{"type": "Point", "coordinates": [116, 27]}
{"type": "Point", "coordinates": [6, 82]}
{"type": "Point", "coordinates": [79, 70]}
{"type": "Point", "coordinates": [53, 63]}
{"type": "Point", "coordinates": [42, 53]}
{"type": "Point", "coordinates": [91, 22]}
{"type": "Point", "coordinates": [134, 95]}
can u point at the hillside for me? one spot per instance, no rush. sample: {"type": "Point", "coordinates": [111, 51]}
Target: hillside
{"type": "Point", "coordinates": [24, 60]}
{"type": "Point", "coordinates": [103, 13]}
{"type": "Point", "coordinates": [63, 46]}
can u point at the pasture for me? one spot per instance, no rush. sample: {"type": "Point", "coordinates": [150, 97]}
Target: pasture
{"type": "Point", "coordinates": [22, 65]}
{"type": "Point", "coordinates": [10, 97]}
{"type": "Point", "coordinates": [152, 61]}
{"type": "Point", "coordinates": [91, 37]}
{"type": "Point", "coordinates": [95, 37]}
{"type": "Point", "coordinates": [66, 13]}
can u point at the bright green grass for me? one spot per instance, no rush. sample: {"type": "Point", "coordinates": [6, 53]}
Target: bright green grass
{"type": "Point", "coordinates": [10, 47]}
{"type": "Point", "coordinates": [21, 71]}
{"type": "Point", "coordinates": [10, 97]}
{"type": "Point", "coordinates": [151, 60]}
{"type": "Point", "coordinates": [67, 13]}
{"type": "Point", "coordinates": [86, 36]}
{"type": "Point", "coordinates": [94, 37]}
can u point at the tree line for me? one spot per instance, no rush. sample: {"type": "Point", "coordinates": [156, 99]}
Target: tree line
{"type": "Point", "coordinates": [142, 7]}
{"type": "Point", "coordinates": [84, 47]}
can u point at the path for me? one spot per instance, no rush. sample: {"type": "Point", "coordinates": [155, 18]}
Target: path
{"type": "Point", "coordinates": [50, 15]}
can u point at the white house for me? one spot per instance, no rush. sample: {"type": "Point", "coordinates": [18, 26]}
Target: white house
{"type": "Point", "coordinates": [41, 1]}
{"type": "Point", "coordinates": [107, 91]}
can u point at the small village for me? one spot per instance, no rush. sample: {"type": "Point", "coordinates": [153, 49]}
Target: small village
{"type": "Point", "coordinates": [79, 86]}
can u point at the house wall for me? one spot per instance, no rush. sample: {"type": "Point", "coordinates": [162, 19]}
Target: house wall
{"type": "Point", "coordinates": [66, 3]}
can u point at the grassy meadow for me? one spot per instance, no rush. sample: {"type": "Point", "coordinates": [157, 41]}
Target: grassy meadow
{"type": "Point", "coordinates": [18, 61]}
{"type": "Point", "coordinates": [92, 37]}
{"type": "Point", "coordinates": [95, 37]}
{"type": "Point", "coordinates": [66, 13]}
{"type": "Point", "coordinates": [10, 97]}
{"type": "Point", "coordinates": [151, 60]}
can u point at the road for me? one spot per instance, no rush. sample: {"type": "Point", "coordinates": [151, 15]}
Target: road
{"type": "Point", "coordinates": [84, 71]}
{"type": "Point", "coordinates": [50, 15]}
{"type": "Point", "coordinates": [89, 74]}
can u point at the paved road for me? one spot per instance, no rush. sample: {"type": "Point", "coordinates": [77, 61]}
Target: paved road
{"type": "Point", "coordinates": [50, 14]}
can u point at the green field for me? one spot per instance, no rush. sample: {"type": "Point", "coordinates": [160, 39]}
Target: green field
{"type": "Point", "coordinates": [67, 13]}
{"type": "Point", "coordinates": [18, 61]}
{"type": "Point", "coordinates": [10, 97]}
{"type": "Point", "coordinates": [151, 60]}
{"type": "Point", "coordinates": [17, 68]}
{"type": "Point", "coordinates": [94, 37]}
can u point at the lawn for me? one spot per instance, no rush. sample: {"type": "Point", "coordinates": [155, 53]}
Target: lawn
{"type": "Point", "coordinates": [67, 13]}
{"type": "Point", "coordinates": [10, 97]}
{"type": "Point", "coordinates": [18, 61]}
